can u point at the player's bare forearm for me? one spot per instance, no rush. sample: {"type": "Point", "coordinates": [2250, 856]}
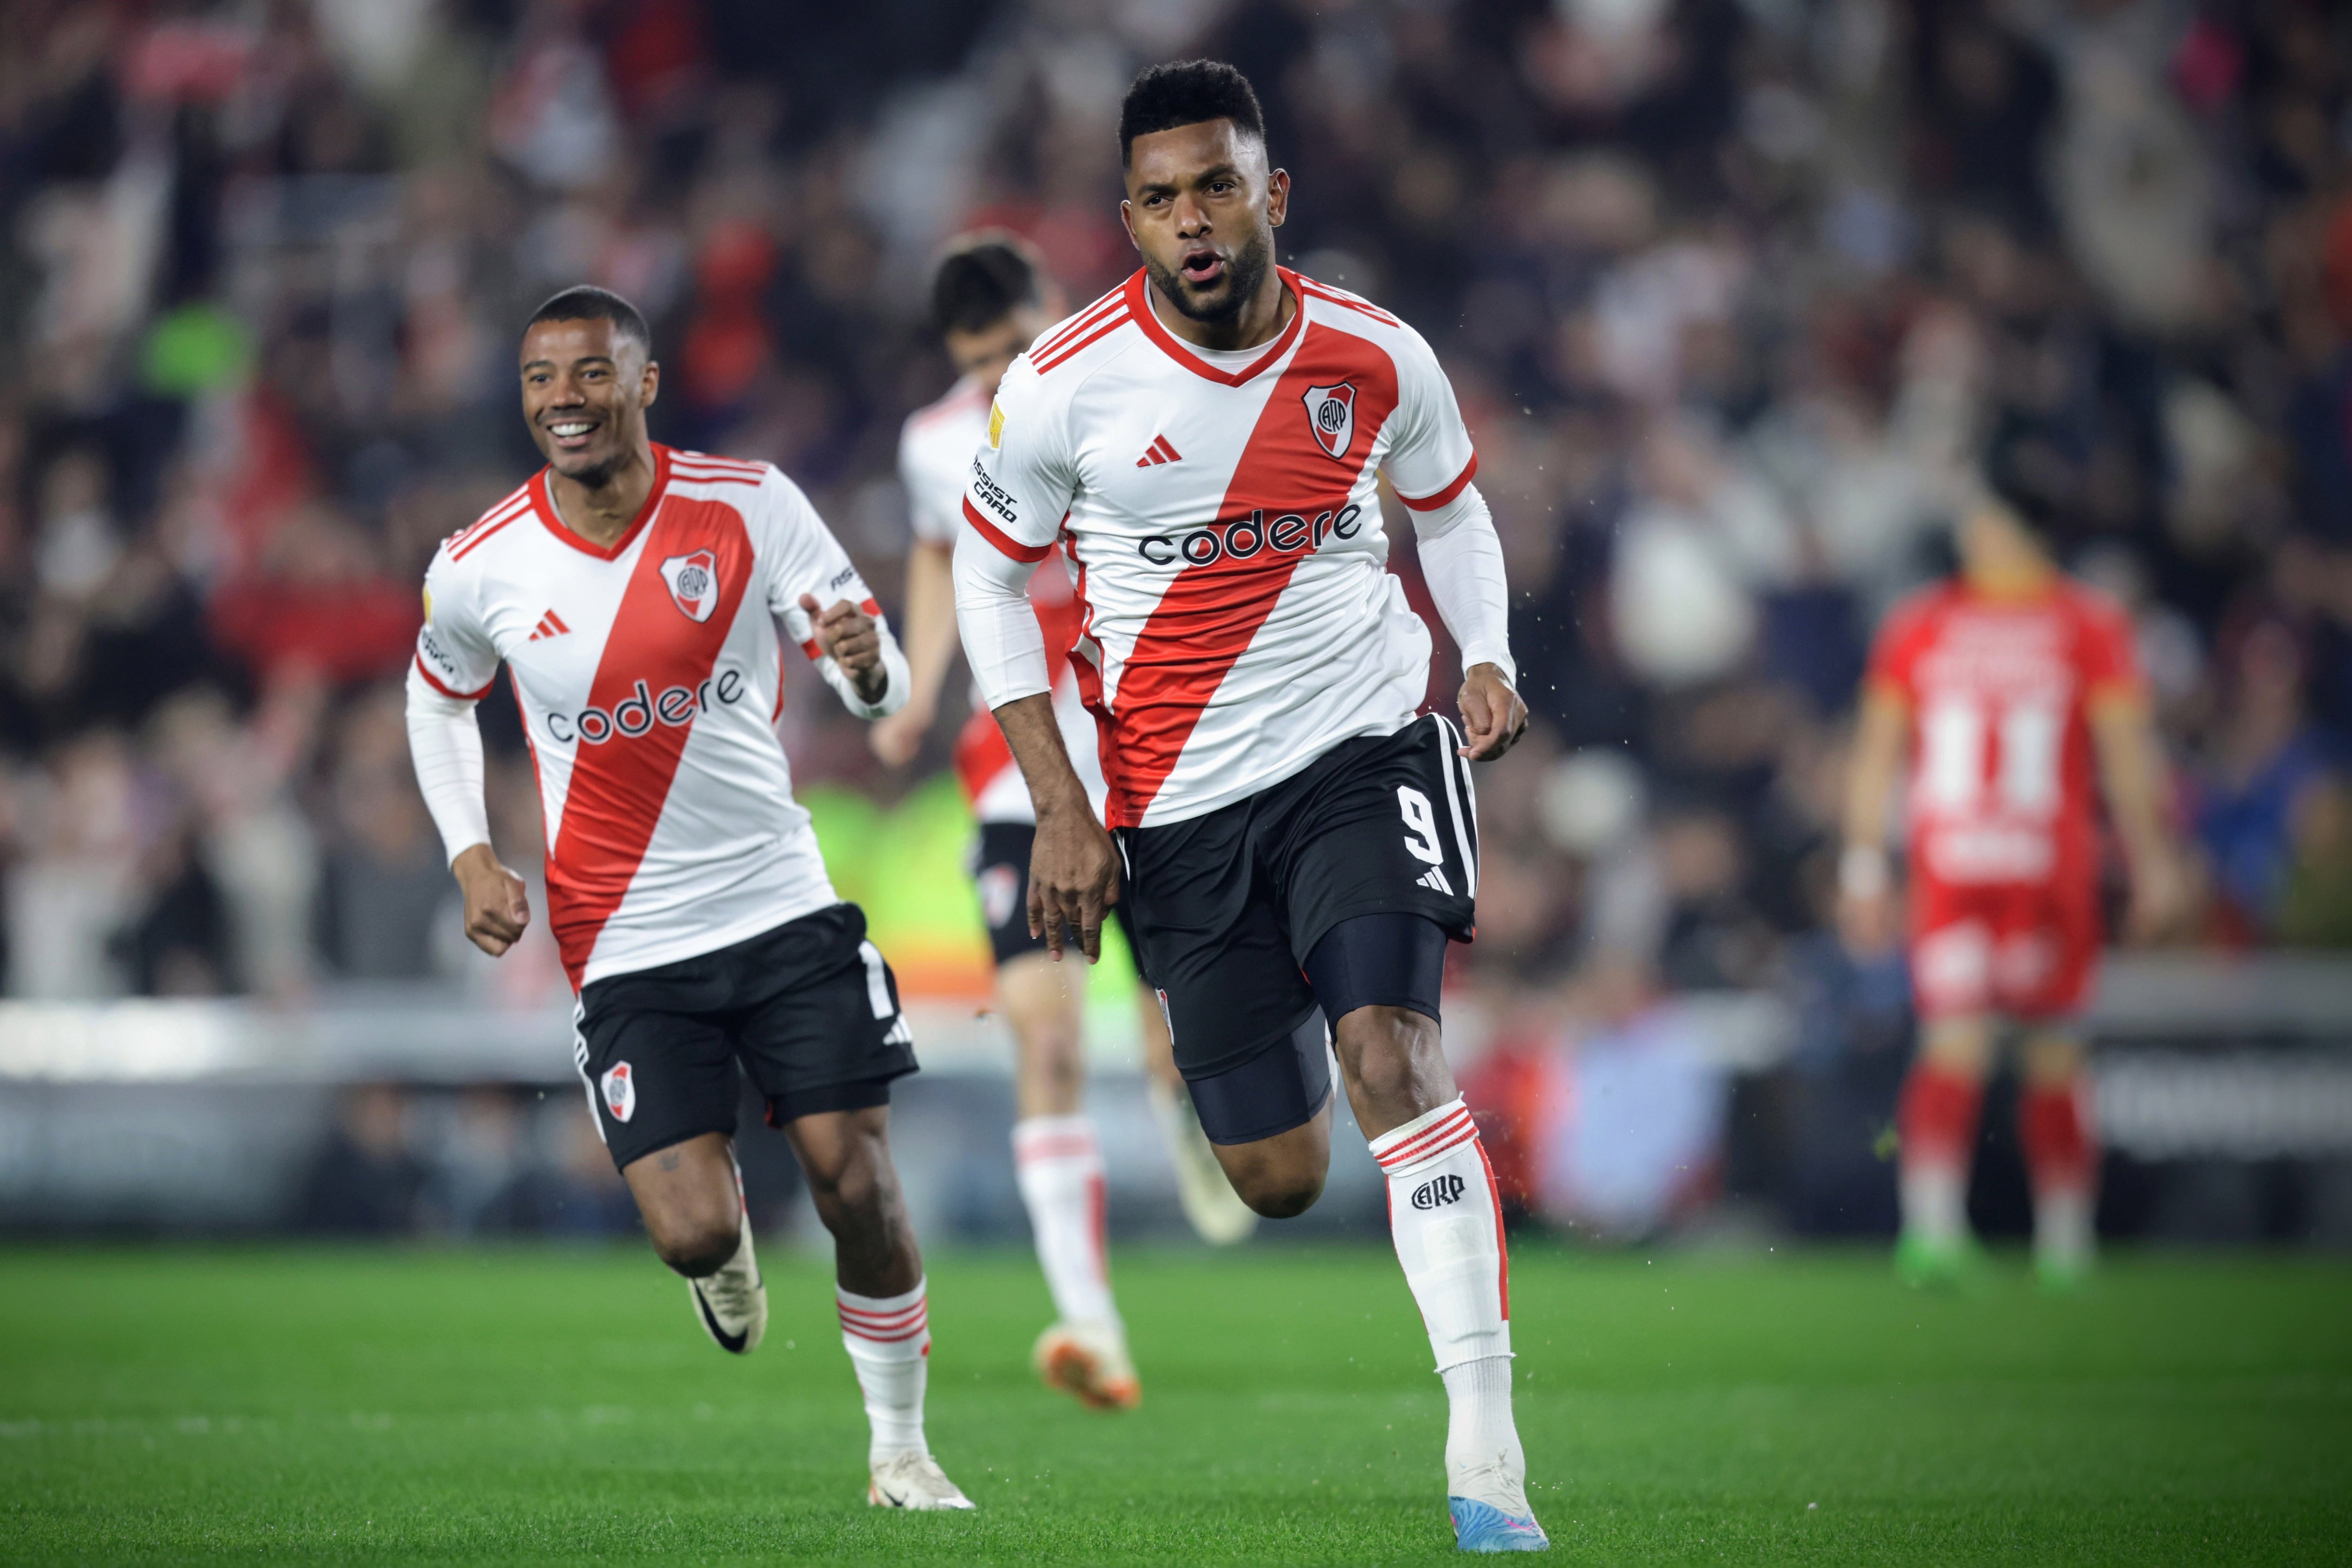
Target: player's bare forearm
{"type": "Point", "coordinates": [2131, 772]}
{"type": "Point", "coordinates": [498, 905]}
{"type": "Point", "coordinates": [853, 640]}
{"type": "Point", "coordinates": [1073, 869]}
{"type": "Point", "coordinates": [930, 621]}
{"type": "Point", "coordinates": [931, 640]}
{"type": "Point", "coordinates": [1493, 716]}
{"type": "Point", "coordinates": [1865, 885]}
{"type": "Point", "coordinates": [2127, 773]}
{"type": "Point", "coordinates": [1870, 767]}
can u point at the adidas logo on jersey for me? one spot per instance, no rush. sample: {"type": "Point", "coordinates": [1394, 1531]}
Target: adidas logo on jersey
{"type": "Point", "coordinates": [1435, 880]}
{"type": "Point", "coordinates": [1159, 452]}
{"type": "Point", "coordinates": [551, 625]}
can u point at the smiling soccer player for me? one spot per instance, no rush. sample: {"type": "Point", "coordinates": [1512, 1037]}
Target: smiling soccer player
{"type": "Point", "coordinates": [637, 595]}
{"type": "Point", "coordinates": [1206, 442]}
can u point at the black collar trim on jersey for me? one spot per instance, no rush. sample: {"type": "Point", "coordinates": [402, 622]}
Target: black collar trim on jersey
{"type": "Point", "coordinates": [544, 504]}
{"type": "Point", "coordinates": [1138, 305]}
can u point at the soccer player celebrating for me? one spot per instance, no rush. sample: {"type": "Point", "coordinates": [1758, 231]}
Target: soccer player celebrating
{"type": "Point", "coordinates": [991, 298]}
{"type": "Point", "coordinates": [1295, 846]}
{"type": "Point", "coordinates": [2012, 692]}
{"type": "Point", "coordinates": [634, 595]}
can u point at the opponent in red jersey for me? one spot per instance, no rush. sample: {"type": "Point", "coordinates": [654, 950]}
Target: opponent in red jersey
{"type": "Point", "coordinates": [990, 298]}
{"type": "Point", "coordinates": [1295, 846]}
{"type": "Point", "coordinates": [641, 600]}
{"type": "Point", "coordinates": [2013, 694]}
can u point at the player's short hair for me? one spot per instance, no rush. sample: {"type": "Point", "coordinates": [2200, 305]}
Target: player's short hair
{"type": "Point", "coordinates": [1186, 92]}
{"type": "Point", "coordinates": [586, 302]}
{"type": "Point", "coordinates": [983, 278]}
{"type": "Point", "coordinates": [2026, 472]}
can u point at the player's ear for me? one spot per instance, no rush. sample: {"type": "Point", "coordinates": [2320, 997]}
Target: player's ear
{"type": "Point", "coordinates": [1277, 196]}
{"type": "Point", "coordinates": [1126, 221]}
{"type": "Point", "coordinates": [649, 383]}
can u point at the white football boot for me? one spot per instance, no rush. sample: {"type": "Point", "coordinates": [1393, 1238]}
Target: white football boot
{"type": "Point", "coordinates": [1216, 1211]}
{"type": "Point", "coordinates": [733, 1304]}
{"type": "Point", "coordinates": [1088, 1361]}
{"type": "Point", "coordinates": [910, 1479]}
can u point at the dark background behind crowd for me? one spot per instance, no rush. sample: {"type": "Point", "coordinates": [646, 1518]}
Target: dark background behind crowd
{"type": "Point", "coordinates": [1732, 291]}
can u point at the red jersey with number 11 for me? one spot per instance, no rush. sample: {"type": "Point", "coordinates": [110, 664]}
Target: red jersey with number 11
{"type": "Point", "coordinates": [2003, 781]}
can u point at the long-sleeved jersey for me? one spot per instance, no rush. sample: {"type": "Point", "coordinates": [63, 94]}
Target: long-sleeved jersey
{"type": "Point", "coordinates": [649, 675]}
{"type": "Point", "coordinates": [1223, 511]}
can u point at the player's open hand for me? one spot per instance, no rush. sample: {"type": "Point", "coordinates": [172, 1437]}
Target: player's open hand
{"type": "Point", "coordinates": [1072, 880]}
{"type": "Point", "coordinates": [1493, 717]}
{"type": "Point", "coordinates": [497, 905]}
{"type": "Point", "coordinates": [897, 738]}
{"type": "Point", "coordinates": [850, 638]}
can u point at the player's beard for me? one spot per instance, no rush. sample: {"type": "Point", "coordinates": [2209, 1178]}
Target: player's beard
{"type": "Point", "coordinates": [601, 472]}
{"type": "Point", "coordinates": [596, 476]}
{"type": "Point", "coordinates": [1244, 271]}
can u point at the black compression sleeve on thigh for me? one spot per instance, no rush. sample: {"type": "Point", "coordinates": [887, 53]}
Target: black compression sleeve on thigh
{"type": "Point", "coordinates": [1391, 960]}
{"type": "Point", "coordinates": [1282, 1087]}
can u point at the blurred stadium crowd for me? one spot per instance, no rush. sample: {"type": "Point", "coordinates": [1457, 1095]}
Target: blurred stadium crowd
{"type": "Point", "coordinates": [1732, 290]}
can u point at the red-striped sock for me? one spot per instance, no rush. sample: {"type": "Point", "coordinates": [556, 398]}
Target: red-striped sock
{"type": "Point", "coordinates": [1938, 1122]}
{"type": "Point", "coordinates": [2061, 1156]}
{"type": "Point", "coordinates": [889, 1342]}
{"type": "Point", "coordinates": [1059, 1167]}
{"type": "Point", "coordinates": [1448, 1229]}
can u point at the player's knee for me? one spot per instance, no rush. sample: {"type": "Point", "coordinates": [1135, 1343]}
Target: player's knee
{"type": "Point", "coordinates": [1279, 1181]}
{"type": "Point", "coordinates": [1962, 1046]}
{"type": "Point", "coordinates": [1280, 1194]}
{"type": "Point", "coordinates": [2052, 1057]}
{"type": "Point", "coordinates": [698, 1246]}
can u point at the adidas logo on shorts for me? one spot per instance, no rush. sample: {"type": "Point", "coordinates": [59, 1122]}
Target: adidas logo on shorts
{"type": "Point", "coordinates": [1435, 880]}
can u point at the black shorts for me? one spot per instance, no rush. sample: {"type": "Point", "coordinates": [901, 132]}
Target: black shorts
{"type": "Point", "coordinates": [809, 1009]}
{"type": "Point", "coordinates": [1227, 907]}
{"type": "Point", "coordinates": [1000, 868]}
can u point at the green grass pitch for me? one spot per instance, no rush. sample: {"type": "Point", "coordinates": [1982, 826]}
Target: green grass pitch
{"type": "Point", "coordinates": [198, 1405]}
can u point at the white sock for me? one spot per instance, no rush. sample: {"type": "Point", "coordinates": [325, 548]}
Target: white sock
{"type": "Point", "coordinates": [889, 1342]}
{"type": "Point", "coordinates": [2063, 1230]}
{"type": "Point", "coordinates": [1934, 1201]}
{"type": "Point", "coordinates": [1448, 1229]}
{"type": "Point", "coordinates": [1060, 1169]}
{"type": "Point", "coordinates": [1479, 1431]}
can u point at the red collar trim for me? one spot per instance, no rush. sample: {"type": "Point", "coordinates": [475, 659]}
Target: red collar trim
{"type": "Point", "coordinates": [1139, 306]}
{"type": "Point", "coordinates": [544, 504]}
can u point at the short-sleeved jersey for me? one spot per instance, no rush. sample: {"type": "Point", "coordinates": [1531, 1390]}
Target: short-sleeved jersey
{"type": "Point", "coordinates": [649, 676]}
{"type": "Point", "coordinates": [2004, 780]}
{"type": "Point", "coordinates": [1238, 616]}
{"type": "Point", "coordinates": [934, 448]}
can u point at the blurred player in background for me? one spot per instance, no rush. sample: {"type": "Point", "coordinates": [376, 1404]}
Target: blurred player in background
{"type": "Point", "coordinates": [1207, 443]}
{"type": "Point", "coordinates": [2013, 694]}
{"type": "Point", "coordinates": [636, 595]}
{"type": "Point", "coordinates": [990, 298]}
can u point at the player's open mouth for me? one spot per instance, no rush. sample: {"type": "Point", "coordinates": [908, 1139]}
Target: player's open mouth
{"type": "Point", "coordinates": [1203, 267]}
{"type": "Point", "coordinates": [570, 435]}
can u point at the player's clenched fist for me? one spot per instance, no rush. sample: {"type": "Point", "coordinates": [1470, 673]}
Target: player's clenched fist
{"type": "Point", "coordinates": [1493, 717]}
{"type": "Point", "coordinates": [852, 640]}
{"type": "Point", "coordinates": [498, 907]}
